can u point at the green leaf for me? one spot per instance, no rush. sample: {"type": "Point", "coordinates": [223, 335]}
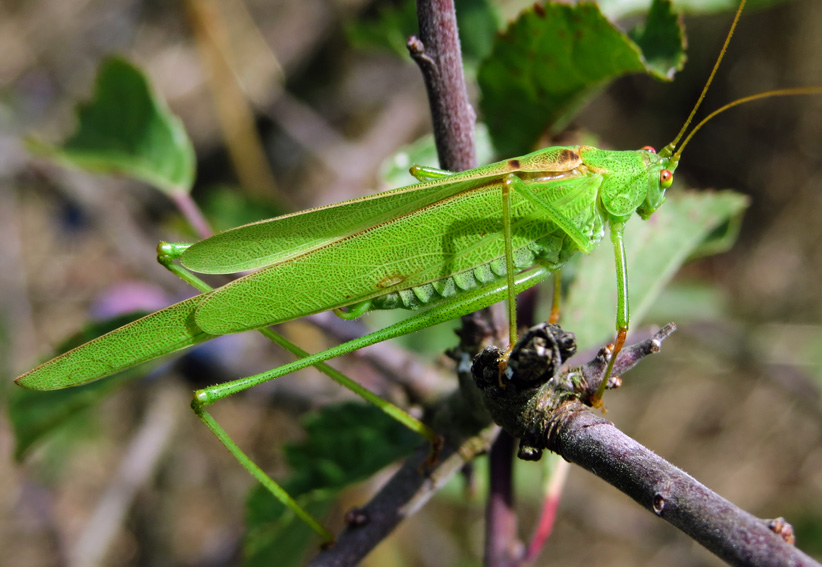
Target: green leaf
{"type": "Point", "coordinates": [126, 129]}
{"type": "Point", "coordinates": [36, 414]}
{"type": "Point", "coordinates": [687, 302]}
{"type": "Point", "coordinates": [479, 22]}
{"type": "Point", "coordinates": [655, 250]}
{"type": "Point", "coordinates": [555, 57]}
{"type": "Point", "coordinates": [228, 207]}
{"type": "Point", "coordinates": [345, 444]}
{"type": "Point", "coordinates": [661, 40]}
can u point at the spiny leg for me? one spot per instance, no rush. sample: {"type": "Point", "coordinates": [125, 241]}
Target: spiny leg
{"type": "Point", "coordinates": [623, 307]}
{"type": "Point", "coordinates": [203, 398]}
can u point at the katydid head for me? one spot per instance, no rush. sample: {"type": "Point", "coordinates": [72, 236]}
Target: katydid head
{"type": "Point", "coordinates": [661, 177]}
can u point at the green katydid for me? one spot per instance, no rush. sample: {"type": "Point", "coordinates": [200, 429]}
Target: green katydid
{"type": "Point", "coordinates": [456, 241]}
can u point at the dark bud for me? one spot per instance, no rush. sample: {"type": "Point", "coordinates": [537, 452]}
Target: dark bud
{"type": "Point", "coordinates": [538, 355]}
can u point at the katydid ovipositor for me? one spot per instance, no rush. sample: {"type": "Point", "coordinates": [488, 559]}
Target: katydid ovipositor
{"type": "Point", "coordinates": [461, 251]}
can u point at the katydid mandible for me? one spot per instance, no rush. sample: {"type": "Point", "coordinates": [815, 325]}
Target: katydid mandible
{"type": "Point", "coordinates": [456, 241]}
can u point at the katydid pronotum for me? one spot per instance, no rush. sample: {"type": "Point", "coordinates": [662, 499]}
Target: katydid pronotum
{"type": "Point", "coordinates": [455, 241]}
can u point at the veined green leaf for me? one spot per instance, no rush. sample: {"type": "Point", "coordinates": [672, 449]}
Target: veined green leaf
{"type": "Point", "coordinates": [552, 60]}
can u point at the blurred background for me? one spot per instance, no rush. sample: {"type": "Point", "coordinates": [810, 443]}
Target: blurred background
{"type": "Point", "coordinates": [734, 398]}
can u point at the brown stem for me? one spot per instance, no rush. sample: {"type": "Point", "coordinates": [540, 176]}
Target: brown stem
{"type": "Point", "coordinates": [437, 52]}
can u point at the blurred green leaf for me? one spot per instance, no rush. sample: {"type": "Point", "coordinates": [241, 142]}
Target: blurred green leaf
{"type": "Point", "coordinates": [807, 525]}
{"type": "Point", "coordinates": [555, 57]}
{"type": "Point", "coordinates": [274, 535]}
{"type": "Point", "coordinates": [386, 26]}
{"type": "Point", "coordinates": [655, 250]}
{"type": "Point", "coordinates": [688, 301]}
{"type": "Point", "coordinates": [478, 21]}
{"type": "Point", "coordinates": [36, 414]}
{"type": "Point", "coordinates": [126, 129]}
{"type": "Point", "coordinates": [345, 444]}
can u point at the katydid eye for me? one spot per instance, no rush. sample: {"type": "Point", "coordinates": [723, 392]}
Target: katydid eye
{"type": "Point", "coordinates": [648, 149]}
{"type": "Point", "coordinates": [666, 178]}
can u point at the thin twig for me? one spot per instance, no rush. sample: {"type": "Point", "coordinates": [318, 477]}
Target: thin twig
{"type": "Point", "coordinates": [233, 109]}
{"type": "Point", "coordinates": [550, 505]}
{"type": "Point", "coordinates": [192, 213]}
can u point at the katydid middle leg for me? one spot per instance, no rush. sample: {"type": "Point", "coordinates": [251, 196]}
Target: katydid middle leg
{"type": "Point", "coordinates": [623, 307]}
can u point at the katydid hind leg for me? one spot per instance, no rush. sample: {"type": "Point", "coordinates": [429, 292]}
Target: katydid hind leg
{"type": "Point", "coordinates": [462, 305]}
{"type": "Point", "coordinates": [273, 487]}
{"type": "Point", "coordinates": [434, 439]}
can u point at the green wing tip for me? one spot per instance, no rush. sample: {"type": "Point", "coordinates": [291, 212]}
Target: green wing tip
{"type": "Point", "coordinates": [29, 382]}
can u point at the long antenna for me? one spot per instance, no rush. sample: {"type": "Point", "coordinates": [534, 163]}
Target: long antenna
{"type": "Point", "coordinates": [669, 149]}
{"type": "Point", "coordinates": [767, 94]}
